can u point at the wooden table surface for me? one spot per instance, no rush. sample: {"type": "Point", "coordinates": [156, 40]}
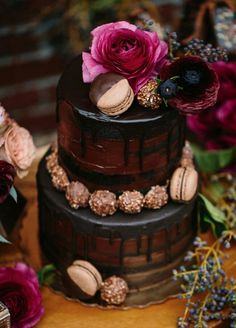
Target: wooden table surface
{"type": "Point", "coordinates": [62, 313]}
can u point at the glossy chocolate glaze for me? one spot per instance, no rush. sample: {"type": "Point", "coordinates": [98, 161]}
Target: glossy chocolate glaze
{"type": "Point", "coordinates": [143, 248]}
{"type": "Point", "coordinates": [132, 151]}
{"type": "Point", "coordinates": [135, 150]}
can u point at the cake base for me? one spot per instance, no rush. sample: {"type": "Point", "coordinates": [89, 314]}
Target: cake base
{"type": "Point", "coordinates": [158, 294]}
{"type": "Point", "coordinates": [143, 249]}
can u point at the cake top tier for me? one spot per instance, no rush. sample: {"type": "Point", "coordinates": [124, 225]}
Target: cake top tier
{"type": "Point", "coordinates": [72, 89]}
{"type": "Point", "coordinates": [134, 150]}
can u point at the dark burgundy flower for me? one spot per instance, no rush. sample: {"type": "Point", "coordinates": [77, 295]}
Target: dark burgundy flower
{"type": "Point", "coordinates": [216, 128]}
{"type": "Point", "coordinates": [227, 77]}
{"type": "Point", "coordinates": [198, 84]}
{"type": "Point", "coordinates": [226, 115]}
{"type": "Point", "coordinates": [19, 291]}
{"type": "Point", "coordinates": [7, 174]}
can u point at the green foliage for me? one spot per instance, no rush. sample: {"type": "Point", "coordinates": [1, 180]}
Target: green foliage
{"type": "Point", "coordinates": [210, 216]}
{"type": "Point", "coordinates": [46, 275]}
{"type": "Point", "coordinates": [213, 161]}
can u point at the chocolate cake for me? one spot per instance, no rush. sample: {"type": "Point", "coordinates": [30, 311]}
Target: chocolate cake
{"type": "Point", "coordinates": [134, 151]}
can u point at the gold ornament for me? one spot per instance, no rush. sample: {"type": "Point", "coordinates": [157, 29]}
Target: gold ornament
{"type": "Point", "coordinates": [148, 96]}
{"type": "Point", "coordinates": [77, 195]}
{"type": "Point", "coordinates": [114, 290]}
{"type": "Point", "coordinates": [156, 197]}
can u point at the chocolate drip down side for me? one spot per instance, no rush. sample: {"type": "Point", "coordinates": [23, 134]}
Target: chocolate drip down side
{"type": "Point", "coordinates": [133, 246]}
{"type": "Point", "coordinates": [135, 150]}
{"type": "Point", "coordinates": [117, 157]}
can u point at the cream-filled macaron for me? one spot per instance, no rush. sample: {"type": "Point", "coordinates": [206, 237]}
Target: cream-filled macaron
{"type": "Point", "coordinates": [111, 93]}
{"type": "Point", "coordinates": [85, 276]}
{"type": "Point", "coordinates": [183, 184]}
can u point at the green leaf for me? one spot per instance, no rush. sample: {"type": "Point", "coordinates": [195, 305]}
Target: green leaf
{"type": "Point", "coordinates": [173, 78]}
{"type": "Point", "coordinates": [212, 161]}
{"type": "Point", "coordinates": [13, 193]}
{"type": "Point", "coordinates": [214, 212]}
{"type": "Point", "coordinates": [4, 240]}
{"type": "Point", "coordinates": [47, 274]}
{"type": "Point", "coordinates": [217, 229]}
{"type": "Point", "coordinates": [210, 215]}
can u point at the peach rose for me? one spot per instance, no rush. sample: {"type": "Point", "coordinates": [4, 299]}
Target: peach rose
{"type": "Point", "coordinates": [19, 148]}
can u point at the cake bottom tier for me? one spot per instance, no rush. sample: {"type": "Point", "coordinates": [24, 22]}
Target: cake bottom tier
{"type": "Point", "coordinates": [143, 249]}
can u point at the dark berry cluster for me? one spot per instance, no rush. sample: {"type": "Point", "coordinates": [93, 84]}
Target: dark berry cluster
{"type": "Point", "coordinates": [207, 282]}
{"type": "Point", "coordinates": [173, 42]}
{"type": "Point", "coordinates": [206, 51]}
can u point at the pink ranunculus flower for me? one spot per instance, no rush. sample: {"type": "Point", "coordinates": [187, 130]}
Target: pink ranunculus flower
{"type": "Point", "coordinates": [19, 148]}
{"type": "Point", "coordinates": [124, 49]}
{"type": "Point", "coordinates": [19, 291]}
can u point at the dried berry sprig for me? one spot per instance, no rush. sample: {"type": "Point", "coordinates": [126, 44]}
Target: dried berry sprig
{"type": "Point", "coordinates": [206, 51]}
{"type": "Point", "coordinates": [207, 281]}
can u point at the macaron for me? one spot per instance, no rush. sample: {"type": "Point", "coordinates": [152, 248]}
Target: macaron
{"type": "Point", "coordinates": [111, 93]}
{"type": "Point", "coordinates": [183, 184]}
{"type": "Point", "coordinates": [86, 277]}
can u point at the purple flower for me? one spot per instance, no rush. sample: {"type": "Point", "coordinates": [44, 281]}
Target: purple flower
{"type": "Point", "coordinates": [19, 291]}
{"type": "Point", "coordinates": [216, 128]}
{"type": "Point", "coordinates": [7, 174]}
{"type": "Point", "coordinates": [124, 49]}
{"type": "Point", "coordinates": [198, 84]}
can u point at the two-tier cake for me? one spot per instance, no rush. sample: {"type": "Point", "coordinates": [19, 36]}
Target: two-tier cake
{"type": "Point", "coordinates": [117, 194]}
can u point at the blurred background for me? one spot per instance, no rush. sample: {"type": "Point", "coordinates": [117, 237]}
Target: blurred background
{"type": "Point", "coordinates": [38, 38]}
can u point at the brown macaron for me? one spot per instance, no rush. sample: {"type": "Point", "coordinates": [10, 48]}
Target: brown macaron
{"type": "Point", "coordinates": [111, 93]}
{"type": "Point", "coordinates": [86, 277]}
{"type": "Point", "coordinates": [183, 184]}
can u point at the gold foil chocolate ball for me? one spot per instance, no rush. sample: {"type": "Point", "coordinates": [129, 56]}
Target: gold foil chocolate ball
{"type": "Point", "coordinates": [59, 178]}
{"type": "Point", "coordinates": [156, 197]}
{"type": "Point", "coordinates": [114, 290]}
{"type": "Point", "coordinates": [77, 195]}
{"type": "Point", "coordinates": [148, 96]}
{"type": "Point", "coordinates": [51, 161]}
{"type": "Point", "coordinates": [103, 202]}
{"type": "Point", "coordinates": [183, 184]}
{"type": "Point", "coordinates": [131, 202]}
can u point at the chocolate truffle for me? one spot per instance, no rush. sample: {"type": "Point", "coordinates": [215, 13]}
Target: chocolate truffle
{"type": "Point", "coordinates": [131, 202]}
{"type": "Point", "coordinates": [114, 290]}
{"type": "Point", "coordinates": [156, 197]}
{"type": "Point", "coordinates": [59, 178]}
{"type": "Point", "coordinates": [77, 194]}
{"type": "Point", "coordinates": [103, 202]}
